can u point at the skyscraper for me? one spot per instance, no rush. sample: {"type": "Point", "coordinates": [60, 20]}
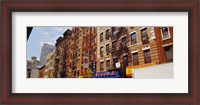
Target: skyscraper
{"type": "Point", "coordinates": [46, 49]}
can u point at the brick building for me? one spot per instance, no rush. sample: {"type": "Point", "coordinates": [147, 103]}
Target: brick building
{"type": "Point", "coordinates": [50, 65]}
{"type": "Point", "coordinates": [111, 48]}
{"type": "Point", "coordinates": [89, 49]}
{"type": "Point", "coordinates": [60, 58]}
{"type": "Point", "coordinates": [41, 72]}
{"type": "Point", "coordinates": [133, 47]}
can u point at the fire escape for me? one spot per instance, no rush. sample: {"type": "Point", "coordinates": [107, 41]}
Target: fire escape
{"type": "Point", "coordinates": [119, 48]}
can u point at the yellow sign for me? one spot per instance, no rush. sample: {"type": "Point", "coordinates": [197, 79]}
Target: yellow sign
{"type": "Point", "coordinates": [128, 72]}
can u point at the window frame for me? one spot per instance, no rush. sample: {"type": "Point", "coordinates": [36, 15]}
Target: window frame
{"type": "Point", "coordinates": [101, 51]}
{"type": "Point", "coordinates": [124, 44]}
{"type": "Point", "coordinates": [107, 34]}
{"type": "Point", "coordinates": [108, 66]}
{"type": "Point", "coordinates": [134, 63]}
{"type": "Point", "coordinates": [101, 66]}
{"type": "Point", "coordinates": [169, 35]}
{"type": "Point", "coordinates": [107, 49]}
{"type": "Point", "coordinates": [146, 61]}
{"type": "Point", "coordinates": [134, 38]}
{"type": "Point", "coordinates": [101, 37]}
{"type": "Point", "coordinates": [146, 35]}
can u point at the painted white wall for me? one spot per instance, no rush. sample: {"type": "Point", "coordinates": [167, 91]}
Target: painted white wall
{"type": "Point", "coordinates": [161, 71]}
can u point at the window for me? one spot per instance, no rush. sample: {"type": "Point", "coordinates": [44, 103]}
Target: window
{"type": "Point", "coordinates": [101, 51]}
{"type": "Point", "coordinates": [165, 33]}
{"type": "Point", "coordinates": [114, 44]}
{"type": "Point", "coordinates": [91, 30]}
{"type": "Point", "coordinates": [114, 62]}
{"type": "Point", "coordinates": [107, 49]}
{"type": "Point", "coordinates": [95, 53]}
{"type": "Point", "coordinates": [94, 40]}
{"type": "Point", "coordinates": [74, 73]}
{"type": "Point", "coordinates": [147, 57]}
{"type": "Point", "coordinates": [90, 42]}
{"type": "Point", "coordinates": [78, 72]}
{"type": "Point", "coordinates": [101, 37]}
{"type": "Point", "coordinates": [90, 54]}
{"type": "Point", "coordinates": [108, 64]}
{"type": "Point", "coordinates": [107, 34]}
{"type": "Point", "coordinates": [125, 61]}
{"type": "Point", "coordinates": [135, 59]}
{"type": "Point", "coordinates": [101, 66]}
{"type": "Point", "coordinates": [113, 30]}
{"type": "Point", "coordinates": [133, 38]}
{"type": "Point", "coordinates": [144, 35]}
{"type": "Point", "coordinates": [124, 41]}
{"type": "Point", "coordinates": [169, 53]}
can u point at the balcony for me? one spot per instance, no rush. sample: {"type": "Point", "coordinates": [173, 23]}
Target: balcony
{"type": "Point", "coordinates": [114, 49]}
{"type": "Point", "coordinates": [108, 35]}
{"type": "Point", "coordinates": [115, 37]}
{"type": "Point", "coordinates": [89, 46]}
{"type": "Point", "coordinates": [114, 54]}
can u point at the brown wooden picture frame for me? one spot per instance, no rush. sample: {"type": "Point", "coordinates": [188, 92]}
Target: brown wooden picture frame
{"type": "Point", "coordinates": [9, 6]}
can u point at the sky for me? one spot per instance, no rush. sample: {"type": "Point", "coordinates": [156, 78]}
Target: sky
{"type": "Point", "coordinates": [41, 35]}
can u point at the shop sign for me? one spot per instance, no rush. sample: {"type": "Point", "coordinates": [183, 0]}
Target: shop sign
{"type": "Point", "coordinates": [117, 65]}
{"type": "Point", "coordinates": [129, 72]}
{"type": "Point", "coordinates": [85, 62]}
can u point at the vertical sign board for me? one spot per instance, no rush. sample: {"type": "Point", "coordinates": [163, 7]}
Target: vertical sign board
{"type": "Point", "coordinates": [94, 67]}
{"type": "Point", "coordinates": [117, 65]}
{"type": "Point", "coordinates": [85, 62]}
{"type": "Point", "coordinates": [129, 72]}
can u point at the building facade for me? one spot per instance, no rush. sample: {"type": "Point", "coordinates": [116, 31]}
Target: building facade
{"type": "Point", "coordinates": [60, 58]}
{"type": "Point", "coordinates": [32, 67]}
{"type": "Point", "coordinates": [41, 72]}
{"type": "Point", "coordinates": [122, 47]}
{"type": "Point", "coordinates": [89, 50]}
{"type": "Point", "coordinates": [111, 48]}
{"type": "Point", "coordinates": [50, 65]}
{"type": "Point", "coordinates": [46, 48]}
